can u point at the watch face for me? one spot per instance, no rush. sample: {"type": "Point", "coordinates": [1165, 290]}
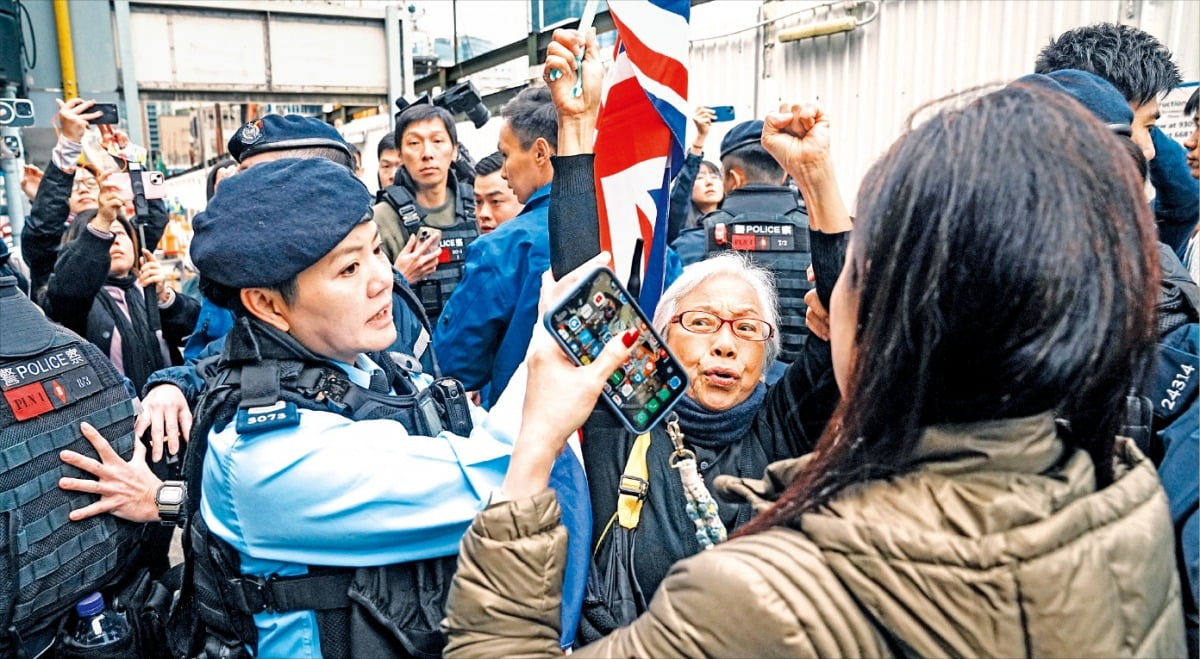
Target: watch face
{"type": "Point", "coordinates": [170, 495]}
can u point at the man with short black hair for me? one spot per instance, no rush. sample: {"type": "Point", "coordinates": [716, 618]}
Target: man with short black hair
{"type": "Point", "coordinates": [495, 201]}
{"type": "Point", "coordinates": [426, 215]}
{"type": "Point", "coordinates": [484, 331]}
{"type": "Point", "coordinates": [1142, 70]}
{"type": "Point", "coordinates": [762, 217]}
{"type": "Point", "coordinates": [389, 160]}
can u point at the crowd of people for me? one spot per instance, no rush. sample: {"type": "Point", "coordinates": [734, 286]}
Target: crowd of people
{"type": "Point", "coordinates": [961, 422]}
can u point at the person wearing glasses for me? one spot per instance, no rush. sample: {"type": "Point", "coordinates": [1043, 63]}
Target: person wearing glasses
{"type": "Point", "coordinates": [64, 191]}
{"type": "Point", "coordinates": [974, 494]}
{"type": "Point", "coordinates": [720, 320]}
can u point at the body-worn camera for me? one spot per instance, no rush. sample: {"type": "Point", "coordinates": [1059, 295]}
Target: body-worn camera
{"type": "Point", "coordinates": [461, 98]}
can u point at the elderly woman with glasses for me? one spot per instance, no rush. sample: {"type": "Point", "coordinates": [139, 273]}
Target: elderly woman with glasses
{"type": "Point", "coordinates": [973, 494]}
{"type": "Point", "coordinates": [719, 318]}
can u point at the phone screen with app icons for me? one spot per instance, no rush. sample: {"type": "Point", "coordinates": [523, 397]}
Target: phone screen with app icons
{"type": "Point", "coordinates": [651, 381]}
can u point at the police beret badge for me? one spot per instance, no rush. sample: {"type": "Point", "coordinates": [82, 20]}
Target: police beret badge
{"type": "Point", "coordinates": [251, 132]}
{"type": "Point", "coordinates": [276, 132]}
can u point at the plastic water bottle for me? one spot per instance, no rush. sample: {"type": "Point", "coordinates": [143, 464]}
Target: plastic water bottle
{"type": "Point", "coordinates": [98, 626]}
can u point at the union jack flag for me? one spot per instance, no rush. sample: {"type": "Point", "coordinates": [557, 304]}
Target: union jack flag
{"type": "Point", "coordinates": [640, 133]}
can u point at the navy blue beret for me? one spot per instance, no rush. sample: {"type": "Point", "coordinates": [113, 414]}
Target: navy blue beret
{"type": "Point", "coordinates": [271, 222]}
{"type": "Point", "coordinates": [1093, 92]}
{"type": "Point", "coordinates": [747, 132]}
{"type": "Point", "coordinates": [283, 131]}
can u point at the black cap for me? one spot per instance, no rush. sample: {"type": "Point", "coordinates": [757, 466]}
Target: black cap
{"type": "Point", "coordinates": [271, 222]}
{"type": "Point", "coordinates": [283, 131]}
{"type": "Point", "coordinates": [24, 330]}
{"type": "Point", "coordinates": [747, 132]}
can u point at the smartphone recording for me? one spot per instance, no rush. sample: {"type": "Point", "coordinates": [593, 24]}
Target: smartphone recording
{"type": "Point", "coordinates": [108, 113]}
{"type": "Point", "coordinates": [651, 381]}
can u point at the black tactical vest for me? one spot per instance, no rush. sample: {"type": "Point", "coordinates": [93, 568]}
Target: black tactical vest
{"type": "Point", "coordinates": [779, 242]}
{"type": "Point", "coordinates": [392, 610]}
{"type": "Point", "coordinates": [434, 291]}
{"type": "Point", "coordinates": [48, 562]}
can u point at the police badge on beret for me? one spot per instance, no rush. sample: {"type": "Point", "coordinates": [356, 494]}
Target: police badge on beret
{"type": "Point", "coordinates": [278, 132]}
{"type": "Point", "coordinates": [251, 132]}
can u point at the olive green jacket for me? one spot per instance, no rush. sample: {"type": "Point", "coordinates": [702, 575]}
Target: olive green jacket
{"type": "Point", "coordinates": [995, 544]}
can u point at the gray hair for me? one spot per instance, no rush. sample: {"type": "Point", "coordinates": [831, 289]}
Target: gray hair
{"type": "Point", "coordinates": [728, 263]}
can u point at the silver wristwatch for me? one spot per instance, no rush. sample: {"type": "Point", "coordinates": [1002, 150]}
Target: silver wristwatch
{"type": "Point", "coordinates": [170, 498]}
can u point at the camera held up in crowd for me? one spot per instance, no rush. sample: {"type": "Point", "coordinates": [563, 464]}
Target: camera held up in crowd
{"type": "Point", "coordinates": [461, 98]}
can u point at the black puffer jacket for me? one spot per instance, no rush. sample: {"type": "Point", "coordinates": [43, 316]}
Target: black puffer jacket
{"type": "Point", "coordinates": [75, 297]}
{"type": "Point", "coordinates": [48, 221]}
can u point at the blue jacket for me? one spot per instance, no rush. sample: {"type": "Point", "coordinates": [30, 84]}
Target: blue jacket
{"type": "Point", "coordinates": [213, 323]}
{"type": "Point", "coordinates": [691, 244]}
{"type": "Point", "coordinates": [484, 330]}
{"type": "Point", "coordinates": [1177, 428]}
{"type": "Point", "coordinates": [1177, 195]}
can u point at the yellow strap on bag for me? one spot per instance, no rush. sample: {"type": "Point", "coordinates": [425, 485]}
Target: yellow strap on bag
{"type": "Point", "coordinates": [632, 490]}
{"type": "Point", "coordinates": [634, 484]}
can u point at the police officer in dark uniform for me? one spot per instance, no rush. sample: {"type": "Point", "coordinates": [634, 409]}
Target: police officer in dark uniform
{"type": "Point", "coordinates": [764, 218]}
{"type": "Point", "coordinates": [427, 215]}
{"type": "Point", "coordinates": [52, 381]}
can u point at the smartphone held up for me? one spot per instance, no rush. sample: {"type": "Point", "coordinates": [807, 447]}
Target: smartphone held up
{"type": "Point", "coordinates": [154, 184]}
{"type": "Point", "coordinates": [722, 113]}
{"type": "Point", "coordinates": [108, 114]}
{"type": "Point", "coordinates": [651, 381]}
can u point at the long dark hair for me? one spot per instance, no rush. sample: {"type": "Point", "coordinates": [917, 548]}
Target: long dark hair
{"type": "Point", "coordinates": [1004, 260]}
{"type": "Point", "coordinates": [79, 225]}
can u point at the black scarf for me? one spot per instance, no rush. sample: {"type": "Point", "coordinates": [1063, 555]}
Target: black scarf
{"type": "Point", "coordinates": [715, 430]}
{"type": "Point", "coordinates": [141, 353]}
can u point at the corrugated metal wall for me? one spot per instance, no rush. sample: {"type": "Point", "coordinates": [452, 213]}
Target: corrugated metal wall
{"type": "Point", "coordinates": [870, 79]}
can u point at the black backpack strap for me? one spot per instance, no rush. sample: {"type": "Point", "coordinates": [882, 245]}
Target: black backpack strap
{"type": "Point", "coordinates": [716, 217]}
{"type": "Point", "coordinates": [798, 214]}
{"type": "Point", "coordinates": [401, 201]}
{"type": "Point", "coordinates": [425, 340]}
{"type": "Point", "coordinates": [1139, 419]}
{"type": "Point", "coordinates": [259, 384]}
{"type": "Point", "coordinates": [466, 201]}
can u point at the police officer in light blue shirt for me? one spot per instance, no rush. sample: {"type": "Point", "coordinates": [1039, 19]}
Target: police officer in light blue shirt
{"type": "Point", "coordinates": [336, 484]}
{"type": "Point", "coordinates": [330, 484]}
